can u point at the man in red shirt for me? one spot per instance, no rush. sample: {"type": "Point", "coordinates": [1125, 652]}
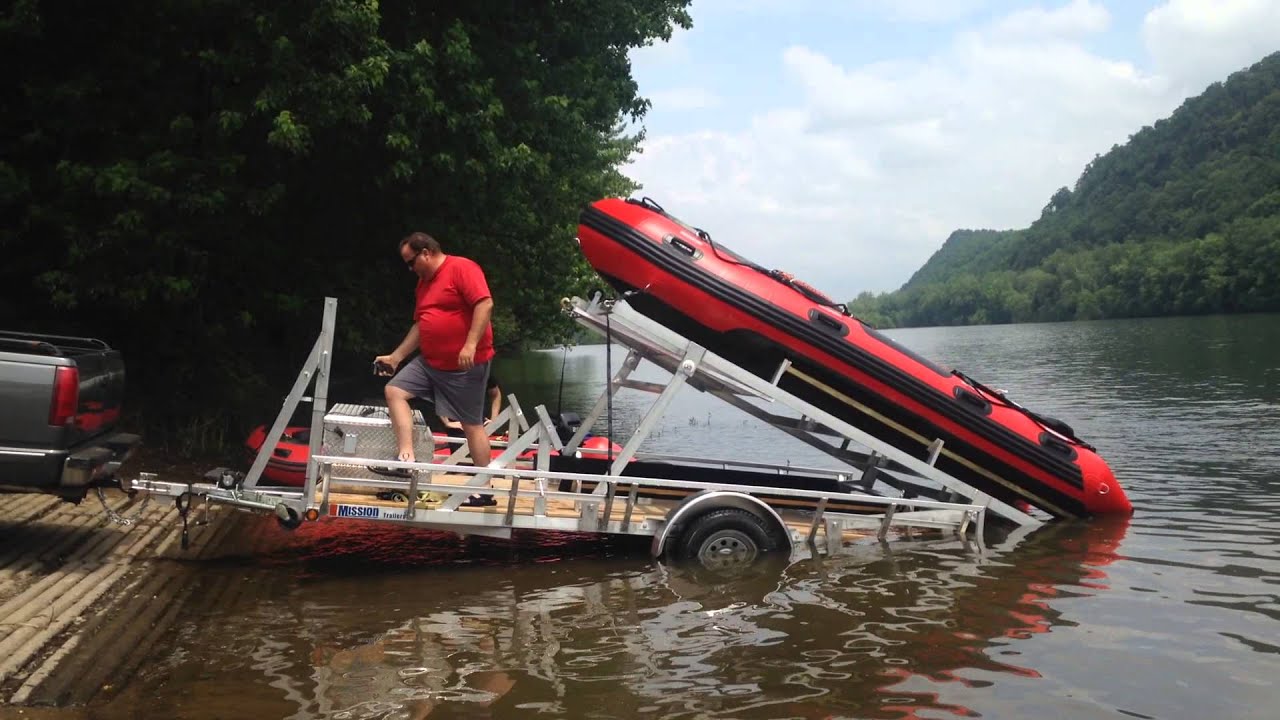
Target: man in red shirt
{"type": "Point", "coordinates": [453, 333]}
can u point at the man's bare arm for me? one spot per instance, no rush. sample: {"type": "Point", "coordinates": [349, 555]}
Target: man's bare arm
{"type": "Point", "coordinates": [408, 345]}
{"type": "Point", "coordinates": [479, 321]}
{"type": "Point", "coordinates": [480, 315]}
{"type": "Point", "coordinates": [387, 364]}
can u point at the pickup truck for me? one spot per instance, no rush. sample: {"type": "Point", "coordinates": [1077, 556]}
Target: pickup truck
{"type": "Point", "coordinates": [60, 400]}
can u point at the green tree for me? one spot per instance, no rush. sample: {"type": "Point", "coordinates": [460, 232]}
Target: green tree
{"type": "Point", "coordinates": [189, 179]}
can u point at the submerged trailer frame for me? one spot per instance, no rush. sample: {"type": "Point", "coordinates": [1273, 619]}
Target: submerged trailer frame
{"type": "Point", "coordinates": [434, 495]}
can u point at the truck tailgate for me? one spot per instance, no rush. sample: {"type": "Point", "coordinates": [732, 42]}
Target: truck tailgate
{"type": "Point", "coordinates": [28, 388]}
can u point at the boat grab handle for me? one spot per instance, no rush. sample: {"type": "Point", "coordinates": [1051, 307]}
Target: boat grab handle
{"type": "Point", "coordinates": [647, 202]}
{"type": "Point", "coordinates": [1057, 445]}
{"type": "Point", "coordinates": [688, 250]}
{"type": "Point", "coordinates": [972, 399]}
{"type": "Point", "coordinates": [828, 323]}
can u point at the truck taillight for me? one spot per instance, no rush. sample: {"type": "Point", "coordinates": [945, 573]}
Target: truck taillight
{"type": "Point", "coordinates": [66, 396]}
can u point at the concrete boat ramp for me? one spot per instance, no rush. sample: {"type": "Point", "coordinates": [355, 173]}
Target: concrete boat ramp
{"type": "Point", "coordinates": [84, 597]}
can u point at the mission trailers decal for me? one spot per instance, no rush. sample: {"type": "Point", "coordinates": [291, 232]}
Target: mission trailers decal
{"type": "Point", "coordinates": [365, 512]}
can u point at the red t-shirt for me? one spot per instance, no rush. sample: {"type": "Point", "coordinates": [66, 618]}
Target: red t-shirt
{"type": "Point", "coordinates": [444, 310]}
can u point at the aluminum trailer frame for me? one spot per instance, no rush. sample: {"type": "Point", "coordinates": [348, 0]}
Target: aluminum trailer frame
{"type": "Point", "coordinates": [345, 448]}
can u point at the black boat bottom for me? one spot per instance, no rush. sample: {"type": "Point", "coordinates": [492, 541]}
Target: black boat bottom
{"type": "Point", "coordinates": [723, 476]}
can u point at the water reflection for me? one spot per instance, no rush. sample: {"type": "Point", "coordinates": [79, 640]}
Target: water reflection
{"type": "Point", "coordinates": [406, 671]}
{"type": "Point", "coordinates": [879, 631]}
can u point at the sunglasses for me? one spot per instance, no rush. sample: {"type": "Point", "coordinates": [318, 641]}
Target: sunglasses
{"type": "Point", "coordinates": [409, 263]}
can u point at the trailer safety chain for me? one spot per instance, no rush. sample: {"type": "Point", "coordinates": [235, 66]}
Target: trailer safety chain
{"type": "Point", "coordinates": [116, 517]}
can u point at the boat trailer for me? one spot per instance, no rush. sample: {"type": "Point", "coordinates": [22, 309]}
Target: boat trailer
{"type": "Point", "coordinates": [349, 474]}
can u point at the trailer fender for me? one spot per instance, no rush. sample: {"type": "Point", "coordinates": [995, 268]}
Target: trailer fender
{"type": "Point", "coordinates": [708, 500]}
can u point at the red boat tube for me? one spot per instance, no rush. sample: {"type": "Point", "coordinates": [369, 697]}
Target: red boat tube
{"type": "Point", "coordinates": [757, 317]}
{"type": "Point", "coordinates": [288, 462]}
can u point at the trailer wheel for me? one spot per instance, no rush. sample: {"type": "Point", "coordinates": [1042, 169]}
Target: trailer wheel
{"type": "Point", "coordinates": [288, 518]}
{"type": "Point", "coordinates": [724, 538]}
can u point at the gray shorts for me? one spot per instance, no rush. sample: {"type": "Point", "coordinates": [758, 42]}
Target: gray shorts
{"type": "Point", "coordinates": [459, 394]}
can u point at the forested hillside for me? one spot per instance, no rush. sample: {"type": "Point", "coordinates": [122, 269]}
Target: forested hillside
{"type": "Point", "coordinates": [189, 180]}
{"type": "Point", "coordinates": [1182, 219]}
{"type": "Point", "coordinates": [965, 252]}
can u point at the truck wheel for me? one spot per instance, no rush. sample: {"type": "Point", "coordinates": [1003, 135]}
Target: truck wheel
{"type": "Point", "coordinates": [725, 538]}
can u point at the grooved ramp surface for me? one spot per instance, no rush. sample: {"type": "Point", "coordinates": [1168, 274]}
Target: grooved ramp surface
{"type": "Point", "coordinates": [83, 598]}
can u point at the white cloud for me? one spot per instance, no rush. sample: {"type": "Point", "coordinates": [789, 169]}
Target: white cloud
{"type": "Point", "coordinates": [872, 95]}
{"type": "Point", "coordinates": [664, 53]}
{"type": "Point", "coordinates": [1195, 42]}
{"type": "Point", "coordinates": [683, 98]}
{"type": "Point", "coordinates": [1077, 18]}
{"type": "Point", "coordinates": [853, 187]}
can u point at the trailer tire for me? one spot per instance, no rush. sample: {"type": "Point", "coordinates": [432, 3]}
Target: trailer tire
{"type": "Point", "coordinates": [288, 518]}
{"type": "Point", "coordinates": [728, 537]}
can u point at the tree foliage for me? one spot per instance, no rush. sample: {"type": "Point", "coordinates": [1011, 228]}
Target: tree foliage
{"type": "Point", "coordinates": [189, 179]}
{"type": "Point", "coordinates": [1182, 219]}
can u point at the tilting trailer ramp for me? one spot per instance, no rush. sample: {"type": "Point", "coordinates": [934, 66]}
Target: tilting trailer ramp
{"type": "Point", "coordinates": [877, 467]}
{"type": "Point", "coordinates": [350, 475]}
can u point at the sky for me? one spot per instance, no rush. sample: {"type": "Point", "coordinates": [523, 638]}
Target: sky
{"type": "Point", "coordinates": [844, 140]}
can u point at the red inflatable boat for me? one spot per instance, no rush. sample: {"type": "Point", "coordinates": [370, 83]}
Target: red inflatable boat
{"type": "Point", "coordinates": [288, 462]}
{"type": "Point", "coordinates": [757, 317]}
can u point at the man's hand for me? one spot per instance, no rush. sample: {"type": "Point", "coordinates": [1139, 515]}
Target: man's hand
{"type": "Point", "coordinates": [385, 365]}
{"type": "Point", "coordinates": [467, 356]}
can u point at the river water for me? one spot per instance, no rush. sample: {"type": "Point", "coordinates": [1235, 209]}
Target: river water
{"type": "Point", "coordinates": [1173, 613]}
